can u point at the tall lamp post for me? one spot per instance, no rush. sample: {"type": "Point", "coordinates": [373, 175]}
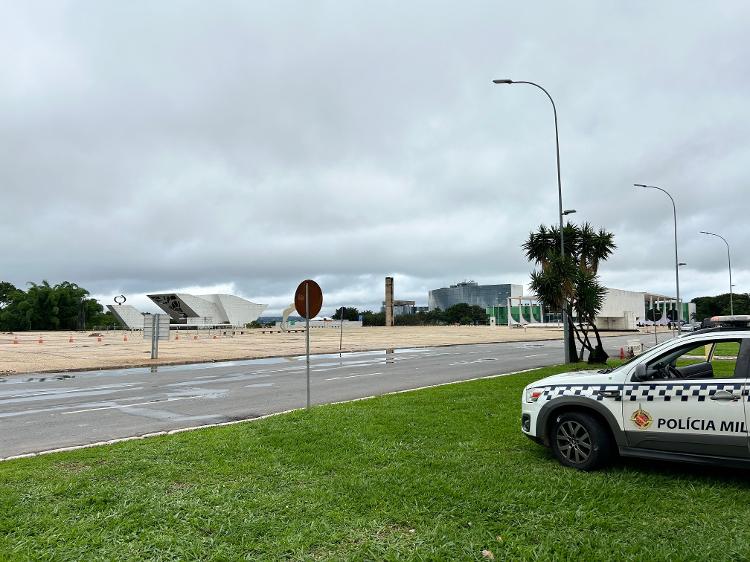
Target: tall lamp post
{"type": "Point", "coordinates": [729, 260]}
{"type": "Point", "coordinates": [566, 335]}
{"type": "Point", "coordinates": [676, 261]}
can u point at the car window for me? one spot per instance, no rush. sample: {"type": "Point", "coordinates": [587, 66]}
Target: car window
{"type": "Point", "coordinates": [724, 359]}
{"type": "Point", "coordinates": [709, 359]}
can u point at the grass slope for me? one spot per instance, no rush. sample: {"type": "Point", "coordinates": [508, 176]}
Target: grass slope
{"type": "Point", "coordinates": [438, 474]}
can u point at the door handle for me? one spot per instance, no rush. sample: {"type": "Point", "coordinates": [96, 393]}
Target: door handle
{"type": "Point", "coordinates": [724, 396]}
{"type": "Point", "coordinates": [608, 393]}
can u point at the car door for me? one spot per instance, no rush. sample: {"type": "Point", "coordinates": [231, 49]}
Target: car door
{"type": "Point", "coordinates": [692, 399]}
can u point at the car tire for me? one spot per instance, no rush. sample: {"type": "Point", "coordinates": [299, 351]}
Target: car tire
{"type": "Point", "coordinates": [581, 441]}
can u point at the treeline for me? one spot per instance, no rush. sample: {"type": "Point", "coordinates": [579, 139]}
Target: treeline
{"type": "Point", "coordinates": [458, 314]}
{"type": "Point", "coordinates": [64, 306]}
{"type": "Point", "coordinates": [705, 307]}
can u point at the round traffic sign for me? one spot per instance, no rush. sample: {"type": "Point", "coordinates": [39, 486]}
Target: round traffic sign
{"type": "Point", "coordinates": [308, 299]}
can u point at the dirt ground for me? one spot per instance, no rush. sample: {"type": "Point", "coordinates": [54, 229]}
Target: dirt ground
{"type": "Point", "coordinates": [34, 352]}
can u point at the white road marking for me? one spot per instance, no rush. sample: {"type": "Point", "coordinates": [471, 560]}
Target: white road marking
{"type": "Point", "coordinates": [482, 360]}
{"type": "Point", "coordinates": [130, 405]}
{"type": "Point", "coordinates": [355, 376]}
{"type": "Point", "coordinates": [63, 392]}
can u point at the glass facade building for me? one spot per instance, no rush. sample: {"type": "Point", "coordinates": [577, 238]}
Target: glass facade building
{"type": "Point", "coordinates": [472, 293]}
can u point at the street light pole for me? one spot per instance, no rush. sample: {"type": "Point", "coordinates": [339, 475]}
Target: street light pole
{"type": "Point", "coordinates": [676, 261]}
{"type": "Point", "coordinates": [566, 335]}
{"type": "Point", "coordinates": [729, 261]}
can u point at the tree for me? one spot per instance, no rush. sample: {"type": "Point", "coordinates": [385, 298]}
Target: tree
{"type": "Point", "coordinates": [63, 306]}
{"type": "Point", "coordinates": [571, 282]}
{"type": "Point", "coordinates": [350, 313]}
{"type": "Point", "coordinates": [705, 307]}
{"type": "Point", "coordinates": [433, 317]}
{"type": "Point", "coordinates": [370, 318]}
{"type": "Point", "coordinates": [6, 293]}
{"type": "Point", "coordinates": [463, 313]}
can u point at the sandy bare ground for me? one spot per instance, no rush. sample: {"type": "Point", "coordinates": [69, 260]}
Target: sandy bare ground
{"type": "Point", "coordinates": [67, 351]}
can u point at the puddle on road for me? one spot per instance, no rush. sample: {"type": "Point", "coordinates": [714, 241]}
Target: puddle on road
{"type": "Point", "coordinates": [51, 378]}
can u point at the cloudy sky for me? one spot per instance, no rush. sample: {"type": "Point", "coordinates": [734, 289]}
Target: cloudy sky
{"type": "Point", "coordinates": [244, 146]}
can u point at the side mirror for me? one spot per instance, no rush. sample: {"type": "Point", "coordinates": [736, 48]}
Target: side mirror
{"type": "Point", "coordinates": [640, 372]}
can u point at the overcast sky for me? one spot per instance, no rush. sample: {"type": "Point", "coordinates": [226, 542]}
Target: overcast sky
{"type": "Point", "coordinates": [245, 146]}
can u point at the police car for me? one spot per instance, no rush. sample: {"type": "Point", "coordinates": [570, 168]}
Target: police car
{"type": "Point", "coordinates": [686, 399]}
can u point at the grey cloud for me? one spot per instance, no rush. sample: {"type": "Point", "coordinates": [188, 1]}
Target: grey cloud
{"type": "Point", "coordinates": [147, 146]}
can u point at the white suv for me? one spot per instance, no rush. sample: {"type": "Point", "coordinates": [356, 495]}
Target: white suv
{"type": "Point", "coordinates": [685, 399]}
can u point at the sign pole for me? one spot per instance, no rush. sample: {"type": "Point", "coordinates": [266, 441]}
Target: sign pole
{"type": "Point", "coordinates": [341, 333]}
{"type": "Point", "coordinates": [308, 298]}
{"type": "Point", "coordinates": [307, 333]}
{"type": "Point", "coordinates": [154, 336]}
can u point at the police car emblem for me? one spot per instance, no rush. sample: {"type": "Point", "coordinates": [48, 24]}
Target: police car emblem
{"type": "Point", "coordinates": [641, 418]}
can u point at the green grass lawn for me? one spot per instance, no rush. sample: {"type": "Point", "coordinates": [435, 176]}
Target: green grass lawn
{"type": "Point", "coordinates": [438, 474]}
{"type": "Point", "coordinates": [726, 349]}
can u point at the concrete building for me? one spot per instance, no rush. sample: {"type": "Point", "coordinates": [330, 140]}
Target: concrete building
{"type": "Point", "coordinates": [402, 307]}
{"type": "Point", "coordinates": [129, 316]}
{"type": "Point", "coordinates": [208, 310]}
{"type": "Point", "coordinates": [663, 309]}
{"type": "Point", "coordinates": [472, 293]}
{"type": "Point", "coordinates": [621, 310]}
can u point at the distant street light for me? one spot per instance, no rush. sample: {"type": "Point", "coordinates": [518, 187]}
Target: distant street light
{"type": "Point", "coordinates": [568, 212]}
{"type": "Point", "coordinates": [566, 336]}
{"type": "Point", "coordinates": [729, 260]}
{"type": "Point", "coordinates": [676, 261]}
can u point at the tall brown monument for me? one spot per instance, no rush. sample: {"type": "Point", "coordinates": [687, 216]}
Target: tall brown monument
{"type": "Point", "coordinates": [389, 301]}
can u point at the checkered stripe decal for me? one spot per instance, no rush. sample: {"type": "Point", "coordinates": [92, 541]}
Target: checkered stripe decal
{"type": "Point", "coordinates": [646, 392]}
{"type": "Point", "coordinates": [678, 391]}
{"type": "Point", "coordinates": [587, 390]}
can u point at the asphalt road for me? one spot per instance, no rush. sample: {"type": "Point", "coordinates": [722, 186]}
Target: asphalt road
{"type": "Point", "coordinates": [43, 412]}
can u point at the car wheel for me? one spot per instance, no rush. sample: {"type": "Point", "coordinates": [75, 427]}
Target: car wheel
{"type": "Point", "coordinates": [580, 441]}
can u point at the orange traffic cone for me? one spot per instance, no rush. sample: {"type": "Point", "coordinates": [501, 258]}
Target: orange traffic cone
{"type": "Point", "coordinates": [125, 337]}
{"type": "Point", "coordinates": [41, 340]}
{"type": "Point", "coordinates": [176, 337]}
{"type": "Point", "coordinates": [70, 339]}
{"type": "Point", "coordinates": [98, 338]}
{"type": "Point", "coordinates": [15, 339]}
{"type": "Point", "coordinates": [622, 353]}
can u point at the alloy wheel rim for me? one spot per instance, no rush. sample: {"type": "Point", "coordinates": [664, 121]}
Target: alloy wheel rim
{"type": "Point", "coordinates": [574, 442]}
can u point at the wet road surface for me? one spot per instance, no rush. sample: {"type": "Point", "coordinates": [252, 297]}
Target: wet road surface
{"type": "Point", "coordinates": [48, 411]}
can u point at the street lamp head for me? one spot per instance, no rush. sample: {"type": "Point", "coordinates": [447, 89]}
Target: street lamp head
{"type": "Point", "coordinates": [681, 263]}
{"type": "Point", "coordinates": [640, 185]}
{"type": "Point", "coordinates": [568, 212]}
{"type": "Point", "coordinates": [502, 81]}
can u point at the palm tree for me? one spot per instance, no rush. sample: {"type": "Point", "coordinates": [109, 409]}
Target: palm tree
{"type": "Point", "coordinates": [571, 282]}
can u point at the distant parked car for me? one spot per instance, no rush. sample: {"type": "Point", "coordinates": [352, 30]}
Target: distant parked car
{"type": "Point", "coordinates": [690, 326]}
